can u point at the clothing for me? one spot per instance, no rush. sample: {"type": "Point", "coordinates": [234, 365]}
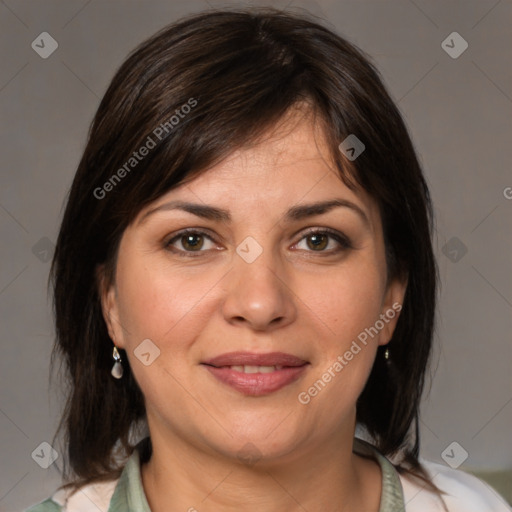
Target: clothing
{"type": "Point", "coordinates": [400, 493]}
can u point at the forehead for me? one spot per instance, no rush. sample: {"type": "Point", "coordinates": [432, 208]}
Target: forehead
{"type": "Point", "coordinates": [296, 137]}
{"type": "Point", "coordinates": [290, 163]}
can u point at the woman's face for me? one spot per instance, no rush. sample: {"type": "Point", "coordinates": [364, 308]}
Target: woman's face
{"type": "Point", "coordinates": [263, 269]}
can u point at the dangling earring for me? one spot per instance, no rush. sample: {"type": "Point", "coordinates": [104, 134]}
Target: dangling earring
{"type": "Point", "coordinates": [117, 369]}
{"type": "Point", "coordinates": [387, 359]}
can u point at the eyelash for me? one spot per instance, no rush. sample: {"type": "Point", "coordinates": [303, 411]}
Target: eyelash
{"type": "Point", "coordinates": [342, 240]}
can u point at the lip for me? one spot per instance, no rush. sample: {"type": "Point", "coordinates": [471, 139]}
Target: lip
{"type": "Point", "coordinates": [256, 384]}
{"type": "Point", "coordinates": [254, 359]}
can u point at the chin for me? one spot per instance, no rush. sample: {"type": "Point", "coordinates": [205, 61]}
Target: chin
{"type": "Point", "coordinates": [260, 443]}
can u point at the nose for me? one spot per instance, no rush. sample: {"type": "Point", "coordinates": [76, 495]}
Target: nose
{"type": "Point", "coordinates": [259, 294]}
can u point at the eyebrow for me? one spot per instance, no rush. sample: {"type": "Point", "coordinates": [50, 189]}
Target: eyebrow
{"type": "Point", "coordinates": [295, 213]}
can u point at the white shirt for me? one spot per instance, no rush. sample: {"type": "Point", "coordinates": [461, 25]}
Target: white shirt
{"type": "Point", "coordinates": [465, 492]}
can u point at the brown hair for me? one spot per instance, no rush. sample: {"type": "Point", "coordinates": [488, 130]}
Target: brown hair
{"type": "Point", "coordinates": [242, 71]}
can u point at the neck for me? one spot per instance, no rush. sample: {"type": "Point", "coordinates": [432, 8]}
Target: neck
{"type": "Point", "coordinates": [179, 477]}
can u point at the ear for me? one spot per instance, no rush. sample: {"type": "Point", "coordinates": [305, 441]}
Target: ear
{"type": "Point", "coordinates": [391, 307]}
{"type": "Point", "coordinates": [109, 306]}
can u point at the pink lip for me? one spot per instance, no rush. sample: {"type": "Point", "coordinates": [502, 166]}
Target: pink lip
{"type": "Point", "coordinates": [256, 384]}
{"type": "Point", "coordinates": [253, 359]}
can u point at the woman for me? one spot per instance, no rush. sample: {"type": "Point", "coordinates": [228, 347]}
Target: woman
{"type": "Point", "coordinates": [244, 275]}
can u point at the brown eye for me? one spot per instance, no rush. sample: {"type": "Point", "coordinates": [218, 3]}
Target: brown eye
{"type": "Point", "coordinates": [324, 241]}
{"type": "Point", "coordinates": [317, 241]}
{"type": "Point", "coordinates": [192, 242]}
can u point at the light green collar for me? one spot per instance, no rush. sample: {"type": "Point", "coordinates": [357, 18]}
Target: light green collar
{"type": "Point", "coordinates": [392, 496]}
{"type": "Point", "coordinates": [129, 494]}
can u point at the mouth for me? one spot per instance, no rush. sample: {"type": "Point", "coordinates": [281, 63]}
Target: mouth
{"type": "Point", "coordinates": [251, 359]}
{"type": "Point", "coordinates": [253, 369]}
{"type": "Point", "coordinates": [256, 374]}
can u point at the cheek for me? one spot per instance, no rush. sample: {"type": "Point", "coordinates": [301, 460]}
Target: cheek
{"type": "Point", "coordinates": [156, 301]}
{"type": "Point", "coordinates": [171, 309]}
{"type": "Point", "coordinates": [345, 301]}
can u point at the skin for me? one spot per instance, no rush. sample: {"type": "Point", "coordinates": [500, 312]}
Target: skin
{"type": "Point", "coordinates": [310, 300]}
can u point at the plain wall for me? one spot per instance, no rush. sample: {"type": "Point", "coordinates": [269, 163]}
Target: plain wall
{"type": "Point", "coordinates": [458, 112]}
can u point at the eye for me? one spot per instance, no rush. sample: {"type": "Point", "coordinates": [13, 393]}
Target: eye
{"type": "Point", "coordinates": [190, 241]}
{"type": "Point", "coordinates": [318, 240]}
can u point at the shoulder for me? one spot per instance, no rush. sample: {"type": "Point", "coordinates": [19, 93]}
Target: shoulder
{"type": "Point", "coordinates": [97, 496]}
{"type": "Point", "coordinates": [46, 506]}
{"type": "Point", "coordinates": [464, 492]}
{"type": "Point", "coordinates": [102, 496]}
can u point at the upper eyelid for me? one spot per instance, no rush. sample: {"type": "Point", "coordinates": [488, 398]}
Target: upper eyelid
{"type": "Point", "coordinates": [186, 231]}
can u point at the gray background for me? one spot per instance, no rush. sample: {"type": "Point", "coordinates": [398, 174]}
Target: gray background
{"type": "Point", "coordinates": [459, 114]}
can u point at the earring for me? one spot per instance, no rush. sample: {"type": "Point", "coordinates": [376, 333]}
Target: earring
{"type": "Point", "coordinates": [117, 369]}
{"type": "Point", "coordinates": [386, 355]}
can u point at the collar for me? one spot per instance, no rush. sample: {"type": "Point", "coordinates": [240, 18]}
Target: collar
{"type": "Point", "coordinates": [392, 496]}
